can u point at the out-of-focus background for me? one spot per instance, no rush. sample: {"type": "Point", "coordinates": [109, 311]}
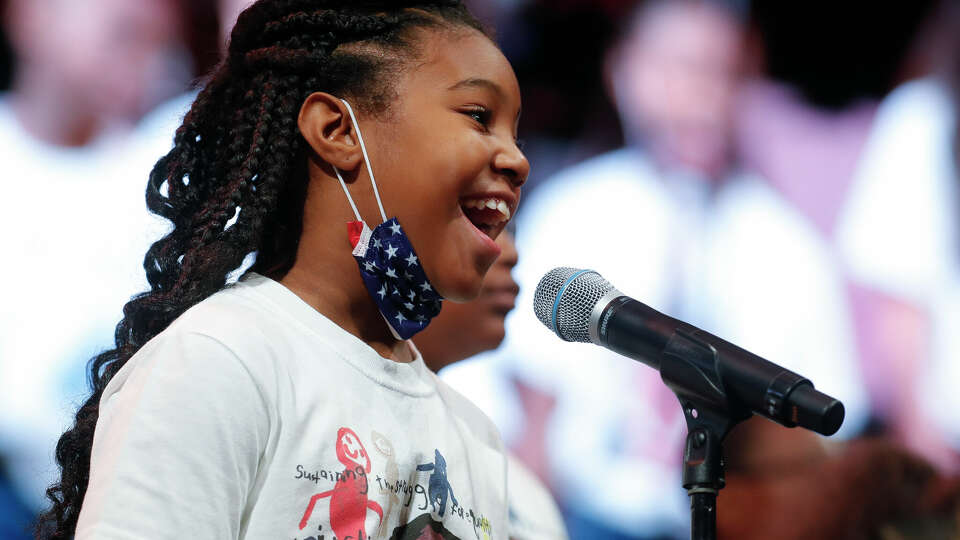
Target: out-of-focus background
{"type": "Point", "coordinates": [782, 174]}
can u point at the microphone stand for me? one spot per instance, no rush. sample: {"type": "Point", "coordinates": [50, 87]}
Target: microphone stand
{"type": "Point", "coordinates": [690, 367]}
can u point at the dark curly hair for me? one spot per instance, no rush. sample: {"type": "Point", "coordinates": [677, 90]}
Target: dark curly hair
{"type": "Point", "coordinates": [235, 181]}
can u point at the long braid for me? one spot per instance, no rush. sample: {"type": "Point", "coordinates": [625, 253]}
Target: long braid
{"type": "Point", "coordinates": [239, 154]}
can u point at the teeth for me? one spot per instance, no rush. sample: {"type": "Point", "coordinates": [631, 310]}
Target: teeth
{"type": "Point", "coordinates": [504, 209]}
{"type": "Point", "coordinates": [490, 204]}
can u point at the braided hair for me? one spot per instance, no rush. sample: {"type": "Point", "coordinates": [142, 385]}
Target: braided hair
{"type": "Point", "coordinates": [235, 181]}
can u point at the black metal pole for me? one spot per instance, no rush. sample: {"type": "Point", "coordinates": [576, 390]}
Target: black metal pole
{"type": "Point", "coordinates": [703, 515]}
{"type": "Point", "coordinates": [703, 479]}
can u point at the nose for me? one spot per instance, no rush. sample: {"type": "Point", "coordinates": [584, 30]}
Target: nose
{"type": "Point", "coordinates": [512, 164]}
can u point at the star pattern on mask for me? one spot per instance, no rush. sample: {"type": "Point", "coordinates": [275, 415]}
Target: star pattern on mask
{"type": "Point", "coordinates": [402, 292]}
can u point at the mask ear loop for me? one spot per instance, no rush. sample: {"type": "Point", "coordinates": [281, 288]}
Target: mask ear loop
{"type": "Point", "coordinates": [347, 193]}
{"type": "Point", "coordinates": [366, 160]}
{"type": "Point", "coordinates": [376, 193]}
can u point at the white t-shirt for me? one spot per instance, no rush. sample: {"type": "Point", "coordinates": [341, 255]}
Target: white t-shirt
{"type": "Point", "coordinates": [901, 231]}
{"type": "Point", "coordinates": [533, 512]}
{"type": "Point", "coordinates": [254, 416]}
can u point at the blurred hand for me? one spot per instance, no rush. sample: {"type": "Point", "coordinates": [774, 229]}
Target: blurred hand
{"type": "Point", "coordinates": [869, 489]}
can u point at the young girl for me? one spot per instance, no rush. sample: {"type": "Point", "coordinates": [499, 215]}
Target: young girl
{"type": "Point", "coordinates": [281, 406]}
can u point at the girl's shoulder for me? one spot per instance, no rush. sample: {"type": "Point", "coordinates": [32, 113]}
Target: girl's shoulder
{"type": "Point", "coordinates": [257, 317]}
{"type": "Point", "coordinates": [233, 333]}
{"type": "Point", "coordinates": [260, 325]}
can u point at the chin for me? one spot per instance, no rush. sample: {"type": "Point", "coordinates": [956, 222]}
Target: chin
{"type": "Point", "coordinates": [460, 292]}
{"type": "Point", "coordinates": [464, 287]}
{"type": "Point", "coordinates": [495, 337]}
{"type": "Point", "coordinates": [488, 336]}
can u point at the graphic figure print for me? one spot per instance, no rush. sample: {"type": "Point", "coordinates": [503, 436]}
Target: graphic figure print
{"type": "Point", "coordinates": [439, 485]}
{"type": "Point", "coordinates": [348, 498]}
{"type": "Point", "coordinates": [391, 474]}
{"type": "Point", "coordinates": [424, 527]}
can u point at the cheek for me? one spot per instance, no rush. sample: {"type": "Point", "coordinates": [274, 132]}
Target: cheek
{"type": "Point", "coordinates": [427, 181]}
{"type": "Point", "coordinates": [454, 163]}
{"type": "Point", "coordinates": [430, 195]}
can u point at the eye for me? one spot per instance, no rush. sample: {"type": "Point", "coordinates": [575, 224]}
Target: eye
{"type": "Point", "coordinates": [480, 114]}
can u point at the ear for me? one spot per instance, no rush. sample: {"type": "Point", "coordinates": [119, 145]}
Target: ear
{"type": "Point", "coordinates": [326, 126]}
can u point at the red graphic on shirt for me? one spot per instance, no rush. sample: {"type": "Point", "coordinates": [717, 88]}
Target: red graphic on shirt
{"type": "Point", "coordinates": [348, 499]}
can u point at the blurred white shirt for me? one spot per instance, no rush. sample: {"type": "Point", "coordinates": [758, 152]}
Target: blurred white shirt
{"type": "Point", "coordinates": [75, 229]}
{"type": "Point", "coordinates": [901, 232]}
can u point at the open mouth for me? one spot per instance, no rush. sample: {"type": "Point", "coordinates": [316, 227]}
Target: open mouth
{"type": "Point", "coordinates": [489, 215]}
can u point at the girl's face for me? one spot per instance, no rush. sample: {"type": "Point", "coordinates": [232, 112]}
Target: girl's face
{"type": "Point", "coordinates": [446, 153]}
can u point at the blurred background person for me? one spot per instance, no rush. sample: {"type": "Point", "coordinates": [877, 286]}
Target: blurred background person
{"type": "Point", "coordinates": [693, 218]}
{"type": "Point", "coordinates": [90, 71]}
{"type": "Point", "coordinates": [154, 133]}
{"type": "Point", "coordinates": [463, 330]}
{"type": "Point", "coordinates": [821, 257]}
{"type": "Point", "coordinates": [83, 74]}
{"type": "Point", "coordinates": [603, 431]}
{"type": "Point", "coordinates": [900, 238]}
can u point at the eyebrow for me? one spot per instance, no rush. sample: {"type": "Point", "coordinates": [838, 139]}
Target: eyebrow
{"type": "Point", "coordinates": [478, 83]}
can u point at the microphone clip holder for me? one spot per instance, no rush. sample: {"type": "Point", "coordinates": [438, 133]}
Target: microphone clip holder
{"type": "Point", "coordinates": [690, 367]}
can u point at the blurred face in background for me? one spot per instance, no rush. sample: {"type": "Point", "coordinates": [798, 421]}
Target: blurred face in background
{"type": "Point", "coordinates": [118, 58]}
{"type": "Point", "coordinates": [674, 77]}
{"type": "Point", "coordinates": [465, 329]}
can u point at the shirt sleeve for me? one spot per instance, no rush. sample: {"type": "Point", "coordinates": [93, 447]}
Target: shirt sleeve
{"type": "Point", "coordinates": [181, 433]}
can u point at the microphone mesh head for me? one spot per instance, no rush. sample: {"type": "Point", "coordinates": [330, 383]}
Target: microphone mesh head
{"type": "Point", "coordinates": [564, 299]}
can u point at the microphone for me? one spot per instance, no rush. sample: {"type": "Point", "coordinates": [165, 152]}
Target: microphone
{"type": "Point", "coordinates": [581, 306]}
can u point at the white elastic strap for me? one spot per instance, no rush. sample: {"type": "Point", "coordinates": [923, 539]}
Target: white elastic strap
{"type": "Point", "coordinates": [349, 198]}
{"type": "Point", "coordinates": [366, 159]}
{"type": "Point", "coordinates": [390, 326]}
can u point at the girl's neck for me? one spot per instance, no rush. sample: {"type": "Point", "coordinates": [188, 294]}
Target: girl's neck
{"type": "Point", "coordinates": [48, 111]}
{"type": "Point", "coordinates": [326, 276]}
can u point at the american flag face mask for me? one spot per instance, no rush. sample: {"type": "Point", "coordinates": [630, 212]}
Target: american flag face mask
{"type": "Point", "coordinates": [389, 266]}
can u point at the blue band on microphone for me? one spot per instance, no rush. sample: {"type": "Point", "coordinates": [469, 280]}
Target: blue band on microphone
{"type": "Point", "coordinates": [556, 302]}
